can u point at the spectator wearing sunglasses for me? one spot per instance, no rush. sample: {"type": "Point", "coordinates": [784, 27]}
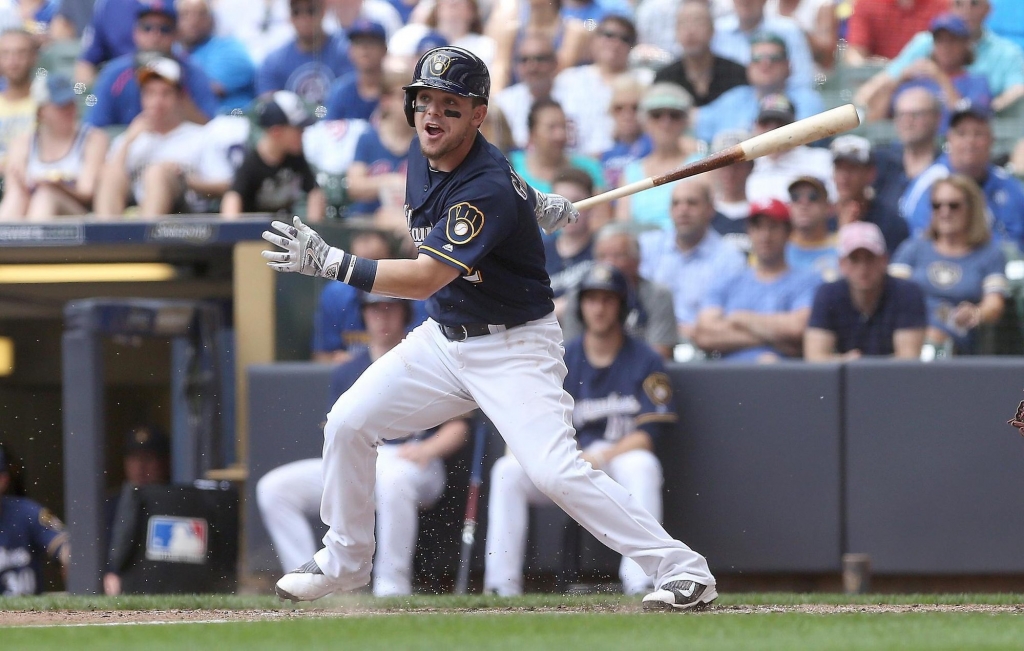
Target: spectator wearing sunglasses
{"type": "Point", "coordinates": [767, 73]}
{"type": "Point", "coordinates": [311, 62]}
{"type": "Point", "coordinates": [699, 71]}
{"type": "Point", "coordinates": [854, 172]}
{"type": "Point", "coordinates": [536, 67]}
{"type": "Point", "coordinates": [811, 246]}
{"type": "Point", "coordinates": [957, 264]}
{"type": "Point", "coordinates": [585, 92]}
{"type": "Point", "coordinates": [631, 141]}
{"type": "Point", "coordinates": [118, 98]}
{"type": "Point", "coordinates": [734, 39]}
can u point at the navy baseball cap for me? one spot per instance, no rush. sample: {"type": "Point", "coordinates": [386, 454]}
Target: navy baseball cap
{"type": "Point", "coordinates": [364, 27]}
{"type": "Point", "coordinates": [966, 107]}
{"type": "Point", "coordinates": [776, 106]}
{"type": "Point", "coordinates": [163, 7]}
{"type": "Point", "coordinates": [53, 89]}
{"type": "Point", "coordinates": [951, 23]}
{"type": "Point", "coordinates": [147, 439]}
{"type": "Point", "coordinates": [283, 108]}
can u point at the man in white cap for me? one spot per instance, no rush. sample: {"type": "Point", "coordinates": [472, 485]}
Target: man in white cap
{"type": "Point", "coordinates": [867, 311]}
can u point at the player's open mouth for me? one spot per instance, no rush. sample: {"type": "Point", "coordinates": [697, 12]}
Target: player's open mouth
{"type": "Point", "coordinates": [433, 130]}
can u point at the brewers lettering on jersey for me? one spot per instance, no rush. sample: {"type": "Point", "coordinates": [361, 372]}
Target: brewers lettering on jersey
{"type": "Point", "coordinates": [492, 341]}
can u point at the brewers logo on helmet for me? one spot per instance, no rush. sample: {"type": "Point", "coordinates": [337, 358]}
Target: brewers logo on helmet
{"type": "Point", "coordinates": [452, 70]}
{"type": "Point", "coordinates": [608, 278]}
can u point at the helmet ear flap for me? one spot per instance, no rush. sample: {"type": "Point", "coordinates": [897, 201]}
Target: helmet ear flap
{"type": "Point", "coordinates": [410, 106]}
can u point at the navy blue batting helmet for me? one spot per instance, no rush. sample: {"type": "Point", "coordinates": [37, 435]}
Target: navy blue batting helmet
{"type": "Point", "coordinates": [450, 69]}
{"type": "Point", "coordinates": [608, 278]}
{"type": "Point", "coordinates": [366, 298]}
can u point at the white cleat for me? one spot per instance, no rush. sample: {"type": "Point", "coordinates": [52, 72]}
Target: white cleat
{"type": "Point", "coordinates": [307, 583]}
{"type": "Point", "coordinates": [681, 595]}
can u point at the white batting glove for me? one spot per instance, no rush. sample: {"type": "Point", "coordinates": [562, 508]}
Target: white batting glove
{"type": "Point", "coordinates": [304, 252]}
{"type": "Point", "coordinates": [554, 211]}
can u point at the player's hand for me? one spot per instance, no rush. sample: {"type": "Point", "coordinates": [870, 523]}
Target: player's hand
{"type": "Point", "coordinates": [304, 252]}
{"type": "Point", "coordinates": [554, 211]}
{"type": "Point", "coordinates": [415, 452]}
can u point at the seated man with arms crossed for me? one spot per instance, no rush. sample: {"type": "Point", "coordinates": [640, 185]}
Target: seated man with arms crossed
{"type": "Point", "coordinates": [867, 311]}
{"type": "Point", "coordinates": [623, 404]}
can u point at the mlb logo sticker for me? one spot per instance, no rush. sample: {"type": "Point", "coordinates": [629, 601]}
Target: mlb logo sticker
{"type": "Point", "coordinates": [176, 540]}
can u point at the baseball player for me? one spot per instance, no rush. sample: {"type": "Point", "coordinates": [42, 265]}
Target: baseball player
{"type": "Point", "coordinates": [622, 405]}
{"type": "Point", "coordinates": [491, 342]}
{"type": "Point", "coordinates": [410, 473]}
{"type": "Point", "coordinates": [28, 533]}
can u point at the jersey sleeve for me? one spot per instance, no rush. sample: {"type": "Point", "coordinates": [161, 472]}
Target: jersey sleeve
{"type": "Point", "coordinates": [478, 216]}
{"type": "Point", "coordinates": [655, 397]}
{"type": "Point", "coordinates": [47, 531]}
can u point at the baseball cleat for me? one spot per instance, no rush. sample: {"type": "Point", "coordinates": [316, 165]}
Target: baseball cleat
{"type": "Point", "coordinates": [681, 595]}
{"type": "Point", "coordinates": [304, 584]}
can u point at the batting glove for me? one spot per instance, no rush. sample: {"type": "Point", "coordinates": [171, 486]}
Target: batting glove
{"type": "Point", "coordinates": [304, 251]}
{"type": "Point", "coordinates": [554, 211]}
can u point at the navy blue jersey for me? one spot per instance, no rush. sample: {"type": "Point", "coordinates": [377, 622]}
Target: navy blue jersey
{"type": "Point", "coordinates": [633, 393]}
{"type": "Point", "coordinates": [346, 374]}
{"type": "Point", "coordinates": [27, 533]}
{"type": "Point", "coordinates": [479, 219]}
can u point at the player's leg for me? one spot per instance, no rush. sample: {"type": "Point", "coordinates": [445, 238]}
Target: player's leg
{"type": "Point", "coordinates": [410, 388]}
{"type": "Point", "coordinates": [403, 488]}
{"type": "Point", "coordinates": [287, 497]}
{"type": "Point", "coordinates": [511, 493]}
{"type": "Point", "coordinates": [522, 395]}
{"type": "Point", "coordinates": [639, 472]}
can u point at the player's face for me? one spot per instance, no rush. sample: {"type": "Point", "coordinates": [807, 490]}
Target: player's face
{"type": "Point", "coordinates": [446, 126]}
{"type": "Point", "coordinates": [600, 310]}
{"type": "Point", "coordinates": [145, 468]}
{"type": "Point", "coordinates": [385, 323]}
{"type": "Point", "coordinates": [864, 270]}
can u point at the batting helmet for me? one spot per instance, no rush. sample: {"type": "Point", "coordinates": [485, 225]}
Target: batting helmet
{"type": "Point", "coordinates": [608, 278]}
{"type": "Point", "coordinates": [452, 70]}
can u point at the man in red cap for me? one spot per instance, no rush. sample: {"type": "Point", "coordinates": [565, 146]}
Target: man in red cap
{"type": "Point", "coordinates": [759, 314]}
{"type": "Point", "coordinates": [867, 311]}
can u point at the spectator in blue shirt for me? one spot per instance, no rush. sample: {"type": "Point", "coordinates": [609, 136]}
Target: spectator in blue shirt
{"type": "Point", "coordinates": [308, 65]}
{"type": "Point", "coordinates": [355, 96]}
{"type": "Point", "coordinates": [224, 59]}
{"type": "Point", "coordinates": [812, 245]}
{"type": "Point", "coordinates": [117, 90]}
{"type": "Point", "coordinates": [759, 314]}
{"type": "Point", "coordinates": [768, 72]}
{"type": "Point", "coordinates": [957, 264]}
{"type": "Point", "coordinates": [969, 147]}
{"type": "Point", "coordinates": [867, 311]}
{"type": "Point", "coordinates": [108, 36]}
{"type": "Point", "coordinates": [733, 33]}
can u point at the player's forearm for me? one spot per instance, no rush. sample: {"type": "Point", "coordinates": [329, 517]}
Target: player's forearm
{"type": "Point", "coordinates": [449, 438]}
{"type": "Point", "coordinates": [636, 440]}
{"type": "Point", "coordinates": [414, 279]}
{"type": "Point", "coordinates": [819, 345]}
{"type": "Point", "coordinates": [907, 343]}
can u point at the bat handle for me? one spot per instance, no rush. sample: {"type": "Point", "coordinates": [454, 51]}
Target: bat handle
{"type": "Point", "coordinates": [617, 193]}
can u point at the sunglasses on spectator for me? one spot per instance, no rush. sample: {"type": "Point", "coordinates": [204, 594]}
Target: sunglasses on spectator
{"type": "Point", "coordinates": [770, 58]}
{"type": "Point", "coordinates": [619, 108]}
{"type": "Point", "coordinates": [536, 58]}
{"type": "Point", "coordinates": [952, 205]}
{"type": "Point", "coordinates": [967, 3]}
{"type": "Point", "coordinates": [163, 28]}
{"type": "Point", "coordinates": [898, 115]}
{"type": "Point", "coordinates": [658, 114]}
{"type": "Point", "coordinates": [797, 196]}
{"type": "Point", "coordinates": [625, 38]}
{"type": "Point", "coordinates": [308, 10]}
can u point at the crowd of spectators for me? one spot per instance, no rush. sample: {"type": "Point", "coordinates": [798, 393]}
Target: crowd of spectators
{"type": "Point", "coordinates": [135, 109]}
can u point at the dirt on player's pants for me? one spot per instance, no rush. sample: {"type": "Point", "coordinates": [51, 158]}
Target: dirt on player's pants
{"type": "Point", "coordinates": [515, 377]}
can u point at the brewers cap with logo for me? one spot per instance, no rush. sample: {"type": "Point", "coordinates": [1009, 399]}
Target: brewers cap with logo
{"type": "Point", "coordinates": [860, 235]}
{"type": "Point", "coordinates": [771, 208]}
{"type": "Point", "coordinates": [776, 107]}
{"type": "Point", "coordinates": [146, 438]}
{"type": "Point", "coordinates": [283, 108]}
{"type": "Point", "coordinates": [967, 108]}
{"type": "Point", "coordinates": [160, 67]}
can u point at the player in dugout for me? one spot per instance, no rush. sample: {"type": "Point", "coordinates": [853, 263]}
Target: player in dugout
{"type": "Point", "coordinates": [492, 341]}
{"type": "Point", "coordinates": [28, 534]}
{"type": "Point", "coordinates": [622, 405]}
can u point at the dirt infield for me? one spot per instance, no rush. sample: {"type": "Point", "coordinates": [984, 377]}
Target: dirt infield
{"type": "Point", "coordinates": [137, 617]}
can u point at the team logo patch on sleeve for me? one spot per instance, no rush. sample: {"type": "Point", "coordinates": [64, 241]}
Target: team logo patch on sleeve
{"type": "Point", "coordinates": [176, 540]}
{"type": "Point", "coordinates": [658, 388]}
{"type": "Point", "coordinates": [464, 223]}
{"type": "Point", "coordinates": [50, 521]}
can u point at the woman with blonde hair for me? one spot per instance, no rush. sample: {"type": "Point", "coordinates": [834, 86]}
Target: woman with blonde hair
{"type": "Point", "coordinates": [957, 264]}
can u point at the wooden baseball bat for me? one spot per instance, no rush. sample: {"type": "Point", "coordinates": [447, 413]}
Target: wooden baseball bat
{"type": "Point", "coordinates": [801, 132]}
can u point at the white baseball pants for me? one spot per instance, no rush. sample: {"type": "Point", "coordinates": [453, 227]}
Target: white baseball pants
{"type": "Point", "coordinates": [511, 493]}
{"type": "Point", "coordinates": [516, 378]}
{"type": "Point", "coordinates": [290, 494]}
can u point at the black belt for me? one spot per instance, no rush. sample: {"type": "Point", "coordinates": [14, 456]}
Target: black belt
{"type": "Point", "coordinates": [464, 332]}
